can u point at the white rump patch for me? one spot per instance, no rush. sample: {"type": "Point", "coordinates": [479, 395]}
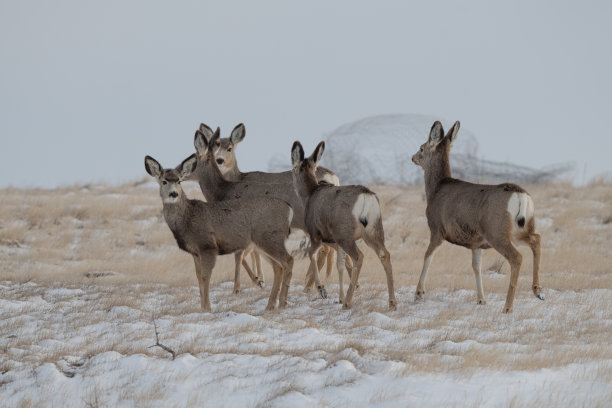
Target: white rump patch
{"type": "Point", "coordinates": [297, 243]}
{"type": "Point", "coordinates": [366, 209]}
{"type": "Point", "coordinates": [331, 179]}
{"type": "Point", "coordinates": [520, 205]}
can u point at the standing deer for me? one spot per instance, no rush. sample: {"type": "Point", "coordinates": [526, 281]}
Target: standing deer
{"type": "Point", "coordinates": [475, 216]}
{"type": "Point", "coordinates": [216, 188]}
{"type": "Point", "coordinates": [206, 230]}
{"type": "Point", "coordinates": [225, 156]}
{"type": "Point", "coordinates": [340, 215]}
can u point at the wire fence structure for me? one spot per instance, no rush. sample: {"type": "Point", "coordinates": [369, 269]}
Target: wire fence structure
{"type": "Point", "coordinates": [379, 149]}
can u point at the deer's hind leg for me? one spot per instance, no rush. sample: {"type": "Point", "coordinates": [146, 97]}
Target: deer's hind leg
{"type": "Point", "coordinates": [378, 246]}
{"type": "Point", "coordinates": [350, 247]}
{"type": "Point", "coordinates": [504, 246]}
{"type": "Point", "coordinates": [535, 245]}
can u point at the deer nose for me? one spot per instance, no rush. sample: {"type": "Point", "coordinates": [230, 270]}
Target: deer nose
{"type": "Point", "coordinates": [220, 161]}
{"type": "Point", "coordinates": [174, 194]}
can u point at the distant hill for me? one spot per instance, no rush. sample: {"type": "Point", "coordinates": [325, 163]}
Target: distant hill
{"type": "Point", "coordinates": [379, 149]}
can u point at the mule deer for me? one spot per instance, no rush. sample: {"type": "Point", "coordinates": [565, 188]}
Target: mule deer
{"type": "Point", "coordinates": [206, 230]}
{"type": "Point", "coordinates": [216, 188]}
{"type": "Point", "coordinates": [225, 156]}
{"type": "Point", "coordinates": [475, 216]}
{"type": "Point", "coordinates": [340, 215]}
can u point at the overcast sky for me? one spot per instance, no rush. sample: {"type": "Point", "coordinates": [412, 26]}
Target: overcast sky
{"type": "Point", "coordinates": [87, 89]}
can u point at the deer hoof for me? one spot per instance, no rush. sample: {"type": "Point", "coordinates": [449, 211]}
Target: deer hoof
{"type": "Point", "coordinates": [419, 295]}
{"type": "Point", "coordinates": [537, 291]}
{"type": "Point", "coordinates": [323, 292]}
{"type": "Point", "coordinates": [260, 283]}
{"type": "Point", "coordinates": [236, 291]}
{"type": "Point", "coordinates": [507, 309]}
{"type": "Point", "coordinates": [482, 302]}
{"type": "Point", "coordinates": [392, 305]}
{"type": "Point", "coordinates": [346, 306]}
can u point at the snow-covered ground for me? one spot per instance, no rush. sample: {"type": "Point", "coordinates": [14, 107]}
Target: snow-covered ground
{"type": "Point", "coordinates": [90, 345]}
{"type": "Point", "coordinates": [87, 273]}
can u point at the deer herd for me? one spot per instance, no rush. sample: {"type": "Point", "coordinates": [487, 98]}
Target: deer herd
{"type": "Point", "coordinates": [252, 214]}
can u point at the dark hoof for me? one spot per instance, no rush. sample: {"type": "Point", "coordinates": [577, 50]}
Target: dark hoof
{"type": "Point", "coordinates": [346, 306]}
{"type": "Point", "coordinates": [392, 305]}
{"type": "Point", "coordinates": [260, 283]}
{"type": "Point", "coordinates": [482, 302]}
{"type": "Point", "coordinates": [323, 293]}
{"type": "Point", "coordinates": [236, 291]}
{"type": "Point", "coordinates": [540, 295]}
{"type": "Point", "coordinates": [507, 310]}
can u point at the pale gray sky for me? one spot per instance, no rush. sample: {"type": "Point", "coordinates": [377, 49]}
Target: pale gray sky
{"type": "Point", "coordinates": [87, 89]}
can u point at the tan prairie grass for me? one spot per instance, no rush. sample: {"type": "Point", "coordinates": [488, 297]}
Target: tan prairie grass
{"type": "Point", "coordinates": [112, 244]}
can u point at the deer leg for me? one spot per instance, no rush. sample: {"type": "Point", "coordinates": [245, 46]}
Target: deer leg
{"type": "Point", "coordinates": [330, 262]}
{"type": "Point", "coordinates": [250, 272]}
{"type": "Point", "coordinates": [238, 257]}
{"type": "Point", "coordinates": [340, 266]}
{"type": "Point", "coordinates": [534, 244]}
{"type": "Point", "coordinates": [434, 243]}
{"type": "Point", "coordinates": [321, 257]}
{"type": "Point", "coordinates": [287, 273]}
{"type": "Point", "coordinates": [514, 258]}
{"type": "Point", "coordinates": [385, 259]}
{"type": "Point", "coordinates": [278, 277]}
{"type": "Point", "coordinates": [314, 267]}
{"type": "Point", "coordinates": [207, 262]}
{"type": "Point", "coordinates": [256, 258]}
{"type": "Point", "coordinates": [476, 262]}
{"type": "Point", "coordinates": [348, 262]}
{"type": "Point", "coordinates": [354, 252]}
{"type": "Point", "coordinates": [377, 244]}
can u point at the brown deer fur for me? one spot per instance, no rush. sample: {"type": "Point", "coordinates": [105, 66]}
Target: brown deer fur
{"type": "Point", "coordinates": [475, 216]}
{"type": "Point", "coordinates": [216, 188]}
{"type": "Point", "coordinates": [339, 216]}
{"type": "Point", "coordinates": [206, 230]}
{"type": "Point", "coordinates": [225, 156]}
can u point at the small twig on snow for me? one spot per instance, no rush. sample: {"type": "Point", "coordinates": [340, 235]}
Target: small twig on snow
{"type": "Point", "coordinates": [158, 344]}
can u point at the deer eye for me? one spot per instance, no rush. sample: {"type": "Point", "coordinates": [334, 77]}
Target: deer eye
{"type": "Point", "coordinates": [164, 182]}
{"type": "Point", "coordinates": [229, 149]}
{"type": "Point", "coordinates": [421, 149]}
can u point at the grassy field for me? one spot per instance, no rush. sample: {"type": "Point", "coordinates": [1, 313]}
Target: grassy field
{"type": "Point", "coordinates": [85, 270]}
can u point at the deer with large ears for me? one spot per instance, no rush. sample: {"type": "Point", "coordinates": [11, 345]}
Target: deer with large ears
{"type": "Point", "coordinates": [225, 157]}
{"type": "Point", "coordinates": [206, 230]}
{"type": "Point", "coordinates": [476, 216]}
{"type": "Point", "coordinates": [216, 188]}
{"type": "Point", "coordinates": [339, 216]}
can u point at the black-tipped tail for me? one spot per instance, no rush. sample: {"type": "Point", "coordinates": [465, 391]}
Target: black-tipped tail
{"type": "Point", "coordinates": [363, 221]}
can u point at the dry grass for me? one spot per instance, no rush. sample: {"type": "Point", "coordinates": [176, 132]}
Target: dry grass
{"type": "Point", "coordinates": [112, 244]}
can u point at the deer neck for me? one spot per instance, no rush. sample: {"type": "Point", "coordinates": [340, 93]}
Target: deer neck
{"type": "Point", "coordinates": [174, 213]}
{"type": "Point", "coordinates": [436, 172]}
{"type": "Point", "coordinates": [234, 174]}
{"type": "Point", "coordinates": [305, 185]}
{"type": "Point", "coordinates": [210, 179]}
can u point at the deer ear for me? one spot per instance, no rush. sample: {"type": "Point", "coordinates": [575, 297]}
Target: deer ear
{"type": "Point", "coordinates": [297, 154]}
{"type": "Point", "coordinates": [201, 143]}
{"type": "Point", "coordinates": [153, 167]}
{"type": "Point", "coordinates": [206, 131]}
{"type": "Point", "coordinates": [318, 152]}
{"type": "Point", "coordinates": [238, 134]}
{"type": "Point", "coordinates": [452, 133]}
{"type": "Point", "coordinates": [187, 166]}
{"type": "Point", "coordinates": [436, 134]}
{"type": "Point", "coordinates": [215, 137]}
